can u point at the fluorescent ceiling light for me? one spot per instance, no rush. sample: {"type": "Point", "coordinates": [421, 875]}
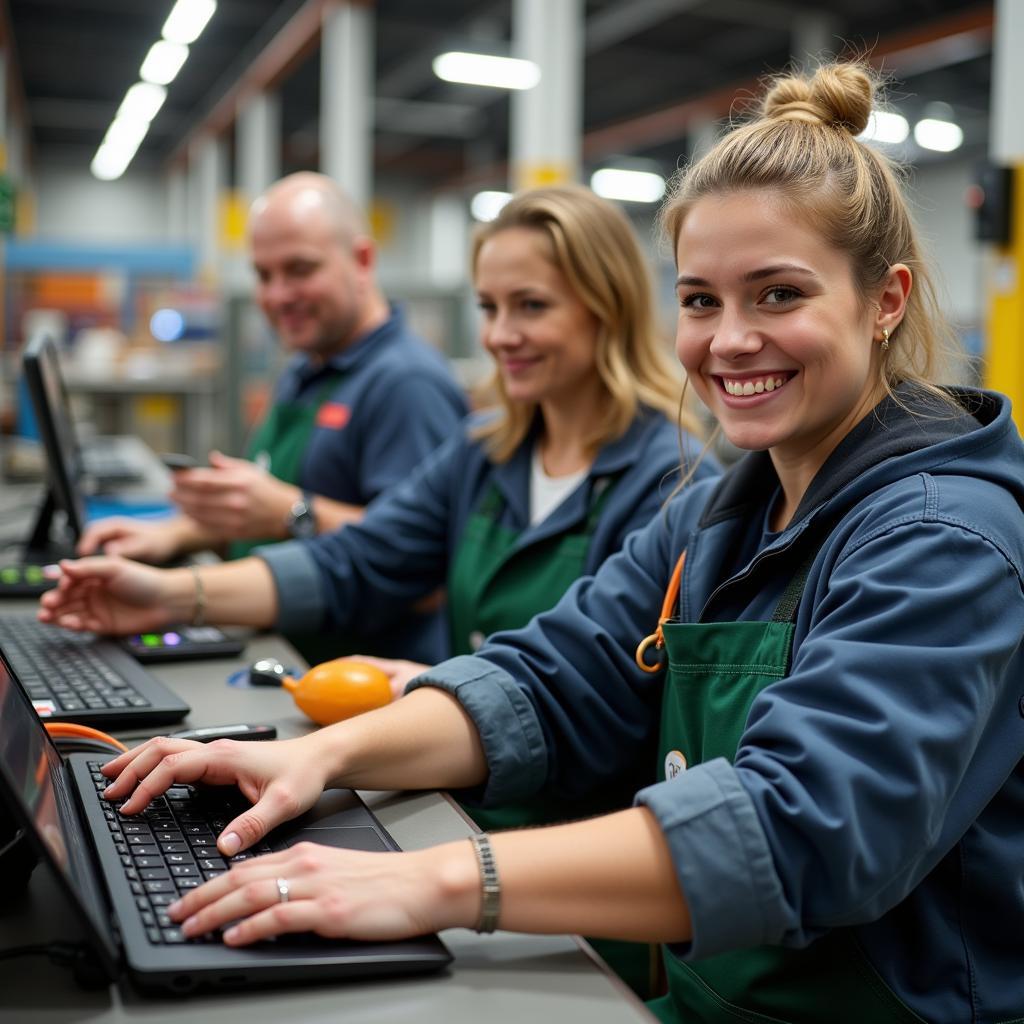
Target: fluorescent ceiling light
{"type": "Point", "coordinates": [884, 126]}
{"type": "Point", "coordinates": [942, 136]}
{"type": "Point", "coordinates": [487, 205]}
{"type": "Point", "coordinates": [108, 165]}
{"type": "Point", "coordinates": [118, 148]}
{"type": "Point", "coordinates": [142, 101]}
{"type": "Point", "coordinates": [481, 69]}
{"type": "Point", "coordinates": [187, 20]}
{"type": "Point", "coordinates": [632, 186]}
{"type": "Point", "coordinates": [125, 134]}
{"type": "Point", "coordinates": [163, 62]}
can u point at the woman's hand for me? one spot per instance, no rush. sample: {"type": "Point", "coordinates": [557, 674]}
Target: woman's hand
{"type": "Point", "coordinates": [114, 595]}
{"type": "Point", "coordinates": [280, 779]}
{"type": "Point", "coordinates": [400, 673]}
{"type": "Point", "coordinates": [337, 893]}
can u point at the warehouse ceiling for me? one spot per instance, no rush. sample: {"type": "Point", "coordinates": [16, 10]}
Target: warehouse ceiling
{"type": "Point", "coordinates": [655, 71]}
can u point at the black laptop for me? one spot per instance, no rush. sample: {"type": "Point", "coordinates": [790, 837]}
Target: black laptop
{"type": "Point", "coordinates": [120, 874]}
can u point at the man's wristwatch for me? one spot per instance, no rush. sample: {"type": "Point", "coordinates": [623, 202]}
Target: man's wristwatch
{"type": "Point", "coordinates": [301, 521]}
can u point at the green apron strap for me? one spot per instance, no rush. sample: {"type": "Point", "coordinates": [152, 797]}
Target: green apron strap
{"type": "Point", "coordinates": [284, 436]}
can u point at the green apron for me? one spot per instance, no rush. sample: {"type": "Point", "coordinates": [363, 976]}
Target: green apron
{"type": "Point", "coordinates": [715, 670]}
{"type": "Point", "coordinates": [279, 445]}
{"type": "Point", "coordinates": [491, 587]}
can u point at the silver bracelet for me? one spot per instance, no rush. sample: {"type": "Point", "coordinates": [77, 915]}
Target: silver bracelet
{"type": "Point", "coordinates": [199, 609]}
{"type": "Point", "coordinates": [490, 887]}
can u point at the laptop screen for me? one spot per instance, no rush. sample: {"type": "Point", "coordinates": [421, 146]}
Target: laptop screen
{"type": "Point", "coordinates": [30, 763]}
{"type": "Point", "coordinates": [57, 429]}
{"type": "Point", "coordinates": [33, 783]}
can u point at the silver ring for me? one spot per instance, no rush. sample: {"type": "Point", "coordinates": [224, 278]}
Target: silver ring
{"type": "Point", "coordinates": [282, 890]}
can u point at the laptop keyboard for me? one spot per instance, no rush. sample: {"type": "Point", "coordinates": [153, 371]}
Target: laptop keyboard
{"type": "Point", "coordinates": [61, 672]}
{"type": "Point", "coordinates": [169, 848]}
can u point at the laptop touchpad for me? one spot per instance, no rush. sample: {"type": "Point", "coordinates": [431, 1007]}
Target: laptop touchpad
{"type": "Point", "coordinates": [350, 837]}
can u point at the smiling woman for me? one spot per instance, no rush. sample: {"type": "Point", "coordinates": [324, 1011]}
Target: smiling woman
{"type": "Point", "coordinates": [779, 350]}
{"type": "Point", "coordinates": [566, 255]}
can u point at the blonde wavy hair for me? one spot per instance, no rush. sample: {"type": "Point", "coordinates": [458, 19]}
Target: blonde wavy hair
{"type": "Point", "coordinates": [803, 148]}
{"type": "Point", "coordinates": [593, 245]}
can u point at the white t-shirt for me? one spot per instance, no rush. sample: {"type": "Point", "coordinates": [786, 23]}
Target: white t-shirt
{"type": "Point", "coordinates": [548, 492]}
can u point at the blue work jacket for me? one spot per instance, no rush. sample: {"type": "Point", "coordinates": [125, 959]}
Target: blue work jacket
{"type": "Point", "coordinates": [879, 784]}
{"type": "Point", "coordinates": [368, 575]}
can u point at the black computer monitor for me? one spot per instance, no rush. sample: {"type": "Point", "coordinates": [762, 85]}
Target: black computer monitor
{"type": "Point", "coordinates": [63, 461]}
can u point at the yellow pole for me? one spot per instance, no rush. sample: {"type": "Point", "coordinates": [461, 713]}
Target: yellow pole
{"type": "Point", "coordinates": [1004, 364]}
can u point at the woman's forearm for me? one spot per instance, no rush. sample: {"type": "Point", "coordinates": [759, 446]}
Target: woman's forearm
{"type": "Point", "coordinates": [424, 740]}
{"type": "Point", "coordinates": [239, 593]}
{"type": "Point", "coordinates": [610, 877]}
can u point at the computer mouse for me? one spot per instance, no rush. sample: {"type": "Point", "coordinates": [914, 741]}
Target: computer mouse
{"type": "Point", "coordinates": [267, 672]}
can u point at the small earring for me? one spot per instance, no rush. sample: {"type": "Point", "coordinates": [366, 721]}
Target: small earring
{"type": "Point", "coordinates": [885, 339]}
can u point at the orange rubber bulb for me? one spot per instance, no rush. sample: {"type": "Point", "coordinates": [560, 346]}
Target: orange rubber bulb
{"type": "Point", "coordinates": [339, 689]}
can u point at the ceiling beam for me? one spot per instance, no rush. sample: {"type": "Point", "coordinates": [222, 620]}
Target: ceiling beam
{"type": "Point", "coordinates": [901, 52]}
{"type": "Point", "coordinates": [418, 117]}
{"type": "Point", "coordinates": [295, 41]}
{"type": "Point", "coordinates": [622, 21]}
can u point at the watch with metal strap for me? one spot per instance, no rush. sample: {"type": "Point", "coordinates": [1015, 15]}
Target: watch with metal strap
{"type": "Point", "coordinates": [301, 520]}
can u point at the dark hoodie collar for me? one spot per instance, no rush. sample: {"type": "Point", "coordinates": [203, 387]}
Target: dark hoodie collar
{"type": "Point", "coordinates": [913, 420]}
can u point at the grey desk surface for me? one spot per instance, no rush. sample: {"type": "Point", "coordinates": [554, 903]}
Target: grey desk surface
{"type": "Point", "coordinates": [498, 978]}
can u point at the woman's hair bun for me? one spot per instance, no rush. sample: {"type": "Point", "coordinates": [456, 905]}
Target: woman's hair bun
{"type": "Point", "coordinates": [840, 95]}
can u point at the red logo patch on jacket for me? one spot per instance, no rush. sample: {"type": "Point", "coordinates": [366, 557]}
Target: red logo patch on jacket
{"type": "Point", "coordinates": [333, 415]}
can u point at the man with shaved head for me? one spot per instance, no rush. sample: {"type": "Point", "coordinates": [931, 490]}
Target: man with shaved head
{"type": "Point", "coordinates": [361, 404]}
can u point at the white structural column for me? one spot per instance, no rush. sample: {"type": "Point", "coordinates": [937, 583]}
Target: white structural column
{"type": "Point", "coordinates": [258, 149]}
{"type": "Point", "coordinates": [1006, 144]}
{"type": "Point", "coordinates": [346, 98]}
{"type": "Point", "coordinates": [177, 204]}
{"type": "Point", "coordinates": [447, 261]}
{"type": "Point", "coordinates": [814, 36]}
{"type": "Point", "coordinates": [207, 180]}
{"type": "Point", "coordinates": [547, 120]}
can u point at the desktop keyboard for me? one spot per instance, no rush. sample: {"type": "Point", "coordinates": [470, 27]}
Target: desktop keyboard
{"type": "Point", "coordinates": [169, 848]}
{"type": "Point", "coordinates": [62, 672]}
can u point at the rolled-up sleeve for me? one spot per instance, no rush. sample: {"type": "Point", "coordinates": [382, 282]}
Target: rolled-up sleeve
{"type": "Point", "coordinates": [722, 859]}
{"type": "Point", "coordinates": [506, 721]}
{"type": "Point", "coordinates": [301, 602]}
